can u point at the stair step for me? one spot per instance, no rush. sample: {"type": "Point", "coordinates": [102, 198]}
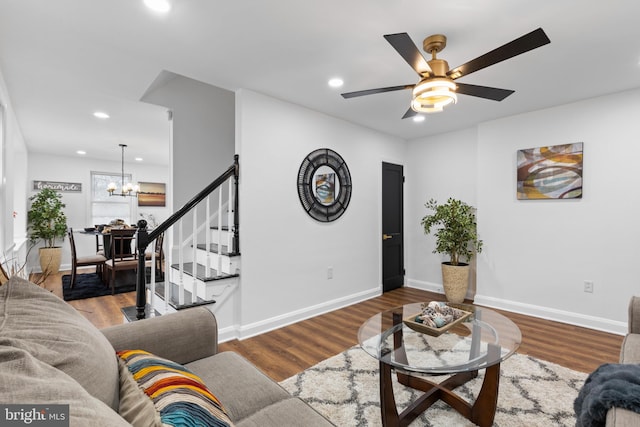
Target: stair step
{"type": "Point", "coordinates": [173, 301]}
{"type": "Point", "coordinates": [201, 272]}
{"type": "Point", "coordinates": [213, 248]}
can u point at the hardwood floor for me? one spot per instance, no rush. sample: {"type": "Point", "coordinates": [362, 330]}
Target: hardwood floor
{"type": "Point", "coordinates": [289, 350]}
{"type": "Point", "coordinates": [101, 311]}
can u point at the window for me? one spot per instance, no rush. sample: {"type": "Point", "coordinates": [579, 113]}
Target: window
{"type": "Point", "coordinates": [105, 208]}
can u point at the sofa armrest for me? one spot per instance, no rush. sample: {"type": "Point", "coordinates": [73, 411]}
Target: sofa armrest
{"type": "Point", "coordinates": [183, 337]}
{"type": "Point", "coordinates": [634, 315]}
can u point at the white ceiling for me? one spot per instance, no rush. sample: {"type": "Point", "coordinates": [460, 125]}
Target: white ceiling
{"type": "Point", "coordinates": [64, 59]}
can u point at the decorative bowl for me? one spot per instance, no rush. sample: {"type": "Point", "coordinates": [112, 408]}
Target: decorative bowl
{"type": "Point", "coordinates": [89, 229]}
{"type": "Point", "coordinates": [425, 329]}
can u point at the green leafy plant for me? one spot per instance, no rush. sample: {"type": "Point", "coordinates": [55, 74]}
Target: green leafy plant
{"type": "Point", "coordinates": [46, 219]}
{"type": "Point", "coordinates": [457, 235]}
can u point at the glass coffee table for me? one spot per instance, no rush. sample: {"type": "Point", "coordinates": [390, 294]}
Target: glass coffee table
{"type": "Point", "coordinates": [481, 341]}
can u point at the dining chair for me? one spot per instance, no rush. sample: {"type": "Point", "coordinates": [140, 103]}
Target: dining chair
{"type": "Point", "coordinates": [159, 254]}
{"type": "Point", "coordinates": [84, 261]}
{"type": "Point", "coordinates": [124, 255]}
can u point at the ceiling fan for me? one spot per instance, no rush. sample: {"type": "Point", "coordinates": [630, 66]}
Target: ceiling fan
{"type": "Point", "coordinates": [436, 87]}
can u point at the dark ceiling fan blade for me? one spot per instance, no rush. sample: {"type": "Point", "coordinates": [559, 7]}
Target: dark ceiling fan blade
{"type": "Point", "coordinates": [403, 44]}
{"type": "Point", "coordinates": [516, 47]}
{"type": "Point", "coordinates": [487, 92]}
{"type": "Point", "coordinates": [374, 91]}
{"type": "Point", "coordinates": [409, 113]}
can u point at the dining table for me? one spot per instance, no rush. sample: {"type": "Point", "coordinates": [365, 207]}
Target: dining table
{"type": "Point", "coordinates": [105, 245]}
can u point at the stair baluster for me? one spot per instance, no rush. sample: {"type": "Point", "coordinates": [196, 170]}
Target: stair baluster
{"type": "Point", "coordinates": [219, 265]}
{"type": "Point", "coordinates": [180, 264]}
{"type": "Point", "coordinates": [229, 212]}
{"type": "Point", "coordinates": [207, 239]}
{"type": "Point", "coordinates": [194, 258]}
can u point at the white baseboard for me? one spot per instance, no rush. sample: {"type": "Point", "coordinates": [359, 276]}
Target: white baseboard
{"type": "Point", "coordinates": [591, 322]}
{"type": "Point", "coordinates": [267, 325]}
{"type": "Point", "coordinates": [227, 334]}
{"type": "Point", "coordinates": [430, 286]}
{"type": "Point", "coordinates": [578, 319]}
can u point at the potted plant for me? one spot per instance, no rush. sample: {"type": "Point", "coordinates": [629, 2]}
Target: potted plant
{"type": "Point", "coordinates": [47, 222]}
{"type": "Point", "coordinates": [457, 236]}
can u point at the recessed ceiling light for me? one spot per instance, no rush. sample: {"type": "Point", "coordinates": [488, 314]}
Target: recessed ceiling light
{"type": "Point", "coordinates": [336, 82]}
{"type": "Point", "coordinates": [418, 118]}
{"type": "Point", "coordinates": [158, 5]}
{"type": "Point", "coordinates": [81, 152]}
{"type": "Point", "coordinates": [139, 159]}
{"type": "Point", "coordinates": [101, 115]}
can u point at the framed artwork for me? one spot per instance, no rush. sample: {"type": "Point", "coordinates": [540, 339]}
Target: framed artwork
{"type": "Point", "coordinates": [553, 172]}
{"type": "Point", "coordinates": [324, 185]}
{"type": "Point", "coordinates": [152, 194]}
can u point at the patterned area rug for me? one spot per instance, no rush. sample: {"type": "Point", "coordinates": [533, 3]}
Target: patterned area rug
{"type": "Point", "coordinates": [533, 393]}
{"type": "Point", "coordinates": [89, 285]}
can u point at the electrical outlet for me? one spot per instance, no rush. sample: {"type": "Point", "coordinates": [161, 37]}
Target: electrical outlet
{"type": "Point", "coordinates": [588, 286]}
{"type": "Point", "coordinates": [329, 272]}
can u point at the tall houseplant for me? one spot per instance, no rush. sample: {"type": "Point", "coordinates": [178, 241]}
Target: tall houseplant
{"type": "Point", "coordinates": [47, 222]}
{"type": "Point", "coordinates": [456, 235]}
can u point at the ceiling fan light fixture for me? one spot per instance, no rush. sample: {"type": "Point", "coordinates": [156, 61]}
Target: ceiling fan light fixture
{"type": "Point", "coordinates": [161, 6]}
{"type": "Point", "coordinates": [433, 94]}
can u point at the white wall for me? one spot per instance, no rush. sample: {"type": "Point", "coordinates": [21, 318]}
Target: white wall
{"type": "Point", "coordinates": [13, 171]}
{"type": "Point", "coordinates": [537, 254]}
{"type": "Point", "coordinates": [78, 209]}
{"type": "Point", "coordinates": [439, 167]}
{"type": "Point", "coordinates": [203, 131]}
{"type": "Point", "coordinates": [286, 253]}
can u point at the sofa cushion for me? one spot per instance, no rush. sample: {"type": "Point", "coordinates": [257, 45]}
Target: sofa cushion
{"type": "Point", "coordinates": [240, 385]}
{"type": "Point", "coordinates": [25, 380]}
{"type": "Point", "coordinates": [38, 322]}
{"type": "Point", "coordinates": [180, 397]}
{"type": "Point", "coordinates": [630, 352]}
{"type": "Point", "coordinates": [288, 412]}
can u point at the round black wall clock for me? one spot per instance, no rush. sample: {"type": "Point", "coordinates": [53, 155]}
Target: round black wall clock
{"type": "Point", "coordinates": [324, 185]}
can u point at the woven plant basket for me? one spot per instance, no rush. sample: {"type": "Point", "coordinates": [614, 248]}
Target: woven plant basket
{"type": "Point", "coordinates": [50, 260]}
{"type": "Point", "coordinates": [455, 281]}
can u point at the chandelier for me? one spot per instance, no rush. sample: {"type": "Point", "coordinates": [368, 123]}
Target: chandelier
{"type": "Point", "coordinates": [125, 189]}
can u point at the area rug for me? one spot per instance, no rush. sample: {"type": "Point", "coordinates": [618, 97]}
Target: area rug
{"type": "Point", "coordinates": [533, 393]}
{"type": "Point", "coordinates": [89, 285]}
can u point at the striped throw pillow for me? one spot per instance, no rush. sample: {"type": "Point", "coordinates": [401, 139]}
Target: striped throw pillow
{"type": "Point", "coordinates": [179, 396]}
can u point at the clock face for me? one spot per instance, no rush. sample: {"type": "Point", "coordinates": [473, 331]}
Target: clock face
{"type": "Point", "coordinates": [324, 185]}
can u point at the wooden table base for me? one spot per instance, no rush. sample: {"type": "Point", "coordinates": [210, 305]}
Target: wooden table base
{"type": "Point", "coordinates": [481, 412]}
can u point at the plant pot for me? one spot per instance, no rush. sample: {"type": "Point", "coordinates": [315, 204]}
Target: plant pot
{"type": "Point", "coordinates": [50, 260]}
{"type": "Point", "coordinates": [455, 281]}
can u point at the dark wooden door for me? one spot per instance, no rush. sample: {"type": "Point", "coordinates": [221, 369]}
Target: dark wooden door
{"type": "Point", "coordinates": [392, 227]}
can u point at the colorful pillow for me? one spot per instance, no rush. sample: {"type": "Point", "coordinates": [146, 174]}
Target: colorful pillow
{"type": "Point", "coordinates": [179, 396]}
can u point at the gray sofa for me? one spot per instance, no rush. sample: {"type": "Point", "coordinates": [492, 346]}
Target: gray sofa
{"type": "Point", "coordinates": [50, 354]}
{"type": "Point", "coordinates": [630, 353]}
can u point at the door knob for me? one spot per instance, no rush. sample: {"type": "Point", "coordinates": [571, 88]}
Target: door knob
{"type": "Point", "coordinates": [387, 236]}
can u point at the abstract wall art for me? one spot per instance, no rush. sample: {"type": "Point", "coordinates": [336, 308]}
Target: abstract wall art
{"type": "Point", "coordinates": [553, 172]}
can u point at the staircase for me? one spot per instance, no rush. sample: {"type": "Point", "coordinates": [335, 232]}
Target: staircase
{"type": "Point", "coordinates": [201, 265]}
